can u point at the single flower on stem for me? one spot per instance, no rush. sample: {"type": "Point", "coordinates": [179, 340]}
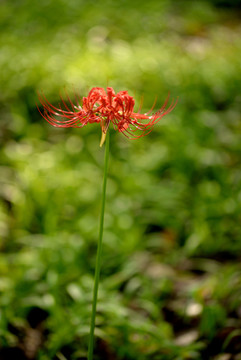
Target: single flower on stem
{"type": "Point", "coordinates": [104, 107]}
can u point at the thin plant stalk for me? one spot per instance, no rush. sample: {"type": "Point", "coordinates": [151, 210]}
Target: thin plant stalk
{"type": "Point", "coordinates": [99, 252]}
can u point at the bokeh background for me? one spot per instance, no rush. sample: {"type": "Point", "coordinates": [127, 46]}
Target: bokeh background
{"type": "Point", "coordinates": [171, 275]}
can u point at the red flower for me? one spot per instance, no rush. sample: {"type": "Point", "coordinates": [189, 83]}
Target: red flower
{"type": "Point", "coordinates": [104, 107]}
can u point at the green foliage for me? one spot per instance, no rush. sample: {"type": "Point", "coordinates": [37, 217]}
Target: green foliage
{"type": "Point", "coordinates": [170, 280]}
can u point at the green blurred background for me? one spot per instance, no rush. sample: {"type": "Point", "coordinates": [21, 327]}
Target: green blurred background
{"type": "Point", "coordinates": [171, 275]}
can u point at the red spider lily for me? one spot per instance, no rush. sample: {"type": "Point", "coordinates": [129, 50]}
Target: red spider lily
{"type": "Point", "coordinates": [104, 107]}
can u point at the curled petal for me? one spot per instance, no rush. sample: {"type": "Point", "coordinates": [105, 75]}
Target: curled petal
{"type": "Point", "coordinates": [145, 123]}
{"type": "Point", "coordinates": [64, 116]}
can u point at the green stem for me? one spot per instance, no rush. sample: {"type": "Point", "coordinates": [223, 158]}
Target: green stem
{"type": "Point", "coordinates": [99, 251]}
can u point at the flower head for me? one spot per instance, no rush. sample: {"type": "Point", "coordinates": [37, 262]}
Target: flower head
{"type": "Point", "coordinates": [104, 107]}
